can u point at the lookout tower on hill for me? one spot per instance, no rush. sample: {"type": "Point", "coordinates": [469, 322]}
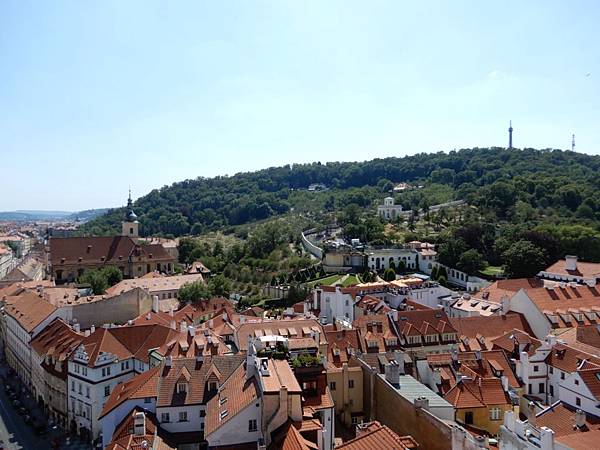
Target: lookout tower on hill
{"type": "Point", "coordinates": [130, 224]}
{"type": "Point", "coordinates": [510, 130]}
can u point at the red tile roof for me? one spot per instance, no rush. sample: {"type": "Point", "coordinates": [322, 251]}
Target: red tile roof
{"type": "Point", "coordinates": [124, 438]}
{"type": "Point", "coordinates": [477, 393]}
{"type": "Point", "coordinates": [377, 436]}
{"type": "Point", "coordinates": [57, 340]}
{"type": "Point", "coordinates": [507, 288]}
{"type": "Point", "coordinates": [493, 364]}
{"type": "Point", "coordinates": [103, 250]}
{"type": "Point", "coordinates": [560, 417]}
{"type": "Point", "coordinates": [341, 345]}
{"type": "Point", "coordinates": [485, 328]}
{"type": "Point", "coordinates": [28, 309]}
{"type": "Point", "coordinates": [583, 269]}
{"type": "Point", "coordinates": [568, 359]}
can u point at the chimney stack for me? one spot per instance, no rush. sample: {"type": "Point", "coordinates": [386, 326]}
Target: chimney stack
{"type": "Point", "coordinates": [76, 327]}
{"type": "Point", "coordinates": [155, 303]}
{"type": "Point", "coordinates": [579, 418]}
{"type": "Point", "coordinates": [392, 373]}
{"type": "Point", "coordinates": [139, 424]}
{"type": "Point", "coordinates": [92, 329]}
{"type": "Point", "coordinates": [169, 361]}
{"type": "Point", "coordinates": [183, 326]}
{"type": "Point", "coordinates": [571, 262]}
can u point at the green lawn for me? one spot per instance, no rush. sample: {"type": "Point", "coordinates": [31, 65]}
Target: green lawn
{"type": "Point", "coordinates": [327, 281]}
{"type": "Point", "coordinates": [352, 279]}
{"type": "Point", "coordinates": [492, 271]}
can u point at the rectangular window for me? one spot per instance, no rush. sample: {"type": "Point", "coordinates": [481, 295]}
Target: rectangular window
{"type": "Point", "coordinates": [576, 382]}
{"type": "Point", "coordinates": [495, 413]}
{"type": "Point", "coordinates": [536, 368]}
{"type": "Point", "coordinates": [106, 391]}
{"type": "Point", "coordinates": [551, 369]}
{"type": "Point", "coordinates": [332, 385]}
{"type": "Point", "coordinates": [350, 384]}
{"type": "Point", "coordinates": [73, 386]}
{"type": "Point", "coordinates": [87, 391]}
{"type": "Point", "coordinates": [147, 400]}
{"type": "Point", "coordinates": [164, 417]}
{"type": "Point", "coordinates": [577, 401]}
{"type": "Point", "coordinates": [529, 389]}
{"type": "Point", "coordinates": [562, 375]}
{"type": "Point", "coordinates": [354, 420]}
{"type": "Point", "coordinates": [541, 388]}
{"type": "Point", "coordinates": [183, 416]}
{"type": "Point", "coordinates": [85, 371]}
{"type": "Point", "coordinates": [252, 425]}
{"type": "Point", "coordinates": [551, 390]}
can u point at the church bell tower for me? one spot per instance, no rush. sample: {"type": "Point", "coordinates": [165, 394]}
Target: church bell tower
{"type": "Point", "coordinates": [130, 224]}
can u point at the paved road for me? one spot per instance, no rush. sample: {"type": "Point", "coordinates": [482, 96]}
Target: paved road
{"type": "Point", "coordinates": [14, 433]}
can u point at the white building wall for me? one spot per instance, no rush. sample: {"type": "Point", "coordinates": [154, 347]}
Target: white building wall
{"type": "Point", "coordinates": [235, 431]}
{"type": "Point", "coordinates": [193, 422]}
{"type": "Point", "coordinates": [538, 322]}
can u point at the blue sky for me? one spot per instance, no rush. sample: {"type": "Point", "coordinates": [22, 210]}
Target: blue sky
{"type": "Point", "coordinates": [97, 96]}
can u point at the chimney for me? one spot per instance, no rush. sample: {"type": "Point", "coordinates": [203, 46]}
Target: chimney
{"type": "Point", "coordinates": [155, 303]}
{"type": "Point", "coordinates": [192, 331]}
{"type": "Point", "coordinates": [392, 373]}
{"type": "Point", "coordinates": [173, 325]}
{"type": "Point", "coordinates": [437, 376]}
{"type": "Point", "coordinates": [531, 413]}
{"type": "Point", "coordinates": [579, 418]}
{"type": "Point", "coordinates": [139, 424]}
{"type": "Point", "coordinates": [570, 262]}
{"type": "Point", "coordinates": [92, 329]}
{"type": "Point", "coordinates": [551, 340]}
{"type": "Point", "coordinates": [399, 358]}
{"type": "Point", "coordinates": [76, 327]}
{"type": "Point", "coordinates": [546, 438]}
{"type": "Point", "coordinates": [168, 361]}
{"type": "Point", "coordinates": [478, 355]}
{"type": "Point", "coordinates": [183, 326]}
{"type": "Point", "coordinates": [171, 312]}
{"type": "Point", "coordinates": [591, 282]}
{"type": "Point", "coordinates": [421, 403]}
{"type": "Point", "coordinates": [505, 304]}
{"type": "Point", "coordinates": [210, 323]}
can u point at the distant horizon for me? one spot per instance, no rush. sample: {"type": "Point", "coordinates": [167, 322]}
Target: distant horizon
{"type": "Point", "coordinates": [99, 96]}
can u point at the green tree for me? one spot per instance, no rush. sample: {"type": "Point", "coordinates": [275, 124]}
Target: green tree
{"type": "Point", "coordinates": [194, 292]}
{"type": "Point", "coordinates": [96, 279]}
{"type": "Point", "coordinates": [219, 286]}
{"type": "Point", "coordinates": [450, 252]}
{"type": "Point", "coordinates": [112, 274]}
{"type": "Point", "coordinates": [389, 274]}
{"type": "Point", "coordinates": [471, 262]}
{"type": "Point", "coordinates": [523, 260]}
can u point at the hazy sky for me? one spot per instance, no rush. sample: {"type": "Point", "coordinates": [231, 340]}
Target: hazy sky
{"type": "Point", "coordinates": [97, 96]}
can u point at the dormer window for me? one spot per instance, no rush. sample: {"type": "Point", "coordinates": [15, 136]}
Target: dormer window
{"type": "Point", "coordinates": [181, 388]}
{"type": "Point", "coordinates": [336, 352]}
{"type": "Point", "coordinates": [212, 386]}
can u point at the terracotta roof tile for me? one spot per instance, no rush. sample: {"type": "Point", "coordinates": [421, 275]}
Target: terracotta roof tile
{"type": "Point", "coordinates": [583, 269]}
{"type": "Point", "coordinates": [477, 393]}
{"type": "Point", "coordinates": [28, 309]}
{"type": "Point", "coordinates": [377, 436]}
{"type": "Point", "coordinates": [560, 417]}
